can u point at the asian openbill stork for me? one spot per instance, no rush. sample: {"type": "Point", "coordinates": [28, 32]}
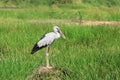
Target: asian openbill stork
{"type": "Point", "coordinates": [46, 41]}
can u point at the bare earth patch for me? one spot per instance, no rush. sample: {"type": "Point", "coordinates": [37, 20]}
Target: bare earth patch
{"type": "Point", "coordinates": [112, 23]}
{"type": "Point", "coordinates": [78, 22]}
{"type": "Point", "coordinates": [61, 21]}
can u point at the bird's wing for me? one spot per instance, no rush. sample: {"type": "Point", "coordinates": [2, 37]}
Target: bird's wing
{"type": "Point", "coordinates": [44, 41]}
{"type": "Point", "coordinates": [36, 47]}
{"type": "Point", "coordinates": [47, 39]}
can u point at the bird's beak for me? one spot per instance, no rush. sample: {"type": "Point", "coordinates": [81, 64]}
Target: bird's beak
{"type": "Point", "coordinates": [62, 35]}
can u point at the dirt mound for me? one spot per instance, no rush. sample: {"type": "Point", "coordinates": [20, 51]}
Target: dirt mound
{"type": "Point", "coordinates": [57, 73]}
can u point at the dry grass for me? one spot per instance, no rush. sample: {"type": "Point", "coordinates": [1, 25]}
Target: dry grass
{"type": "Point", "coordinates": [57, 73]}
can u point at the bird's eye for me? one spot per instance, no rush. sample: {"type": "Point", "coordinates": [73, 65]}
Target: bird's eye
{"type": "Point", "coordinates": [58, 30]}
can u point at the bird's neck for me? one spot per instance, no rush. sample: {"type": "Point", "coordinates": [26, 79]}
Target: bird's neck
{"type": "Point", "coordinates": [57, 35]}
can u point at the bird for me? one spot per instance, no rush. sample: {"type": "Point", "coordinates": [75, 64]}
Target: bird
{"type": "Point", "coordinates": [45, 42]}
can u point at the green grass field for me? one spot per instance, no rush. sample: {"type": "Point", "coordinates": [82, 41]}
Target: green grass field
{"type": "Point", "coordinates": [88, 53]}
{"type": "Point", "coordinates": [81, 13]}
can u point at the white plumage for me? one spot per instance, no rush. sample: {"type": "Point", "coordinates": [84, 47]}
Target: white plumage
{"type": "Point", "coordinates": [46, 41]}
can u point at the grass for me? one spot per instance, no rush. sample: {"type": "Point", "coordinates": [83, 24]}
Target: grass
{"type": "Point", "coordinates": [26, 3]}
{"type": "Point", "coordinates": [64, 12]}
{"type": "Point", "coordinates": [88, 52]}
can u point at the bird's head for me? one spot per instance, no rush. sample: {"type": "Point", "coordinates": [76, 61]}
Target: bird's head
{"type": "Point", "coordinates": [57, 30]}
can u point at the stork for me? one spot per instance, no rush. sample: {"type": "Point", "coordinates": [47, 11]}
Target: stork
{"type": "Point", "coordinates": [46, 41]}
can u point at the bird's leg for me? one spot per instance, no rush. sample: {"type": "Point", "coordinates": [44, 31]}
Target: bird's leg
{"type": "Point", "coordinates": [47, 58]}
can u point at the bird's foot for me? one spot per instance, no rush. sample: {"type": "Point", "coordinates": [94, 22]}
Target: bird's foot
{"type": "Point", "coordinates": [49, 67]}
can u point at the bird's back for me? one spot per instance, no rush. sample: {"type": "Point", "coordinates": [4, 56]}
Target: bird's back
{"type": "Point", "coordinates": [47, 40]}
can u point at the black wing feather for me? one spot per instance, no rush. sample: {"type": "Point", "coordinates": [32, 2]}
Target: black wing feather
{"type": "Point", "coordinates": [36, 47]}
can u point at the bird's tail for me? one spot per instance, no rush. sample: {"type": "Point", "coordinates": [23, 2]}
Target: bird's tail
{"type": "Point", "coordinates": [35, 49]}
